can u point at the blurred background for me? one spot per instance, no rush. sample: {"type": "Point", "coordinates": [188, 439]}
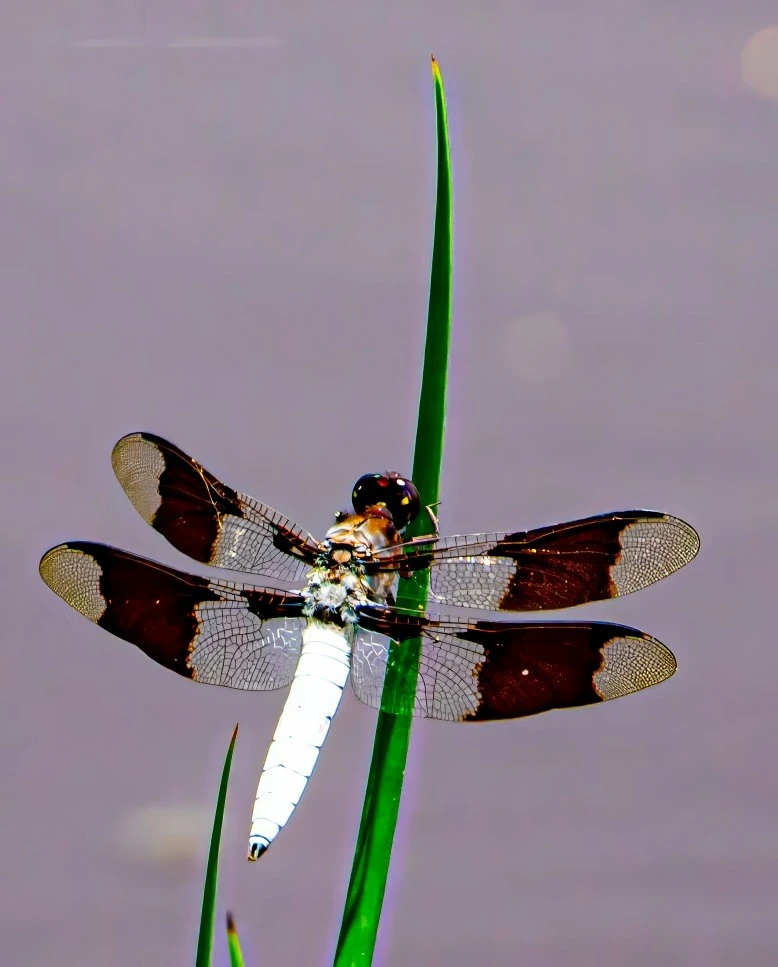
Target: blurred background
{"type": "Point", "coordinates": [216, 225]}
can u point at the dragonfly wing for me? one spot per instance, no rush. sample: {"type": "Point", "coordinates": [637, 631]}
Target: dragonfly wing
{"type": "Point", "coordinates": [204, 518]}
{"type": "Point", "coordinates": [211, 631]}
{"type": "Point", "coordinates": [481, 670]}
{"type": "Point", "coordinates": [558, 566]}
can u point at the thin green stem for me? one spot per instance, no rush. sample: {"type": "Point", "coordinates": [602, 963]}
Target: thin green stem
{"type": "Point", "coordinates": [370, 868]}
{"type": "Point", "coordinates": [233, 943]}
{"type": "Point", "coordinates": [205, 938]}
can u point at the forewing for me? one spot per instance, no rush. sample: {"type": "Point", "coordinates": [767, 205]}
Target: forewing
{"type": "Point", "coordinates": [485, 670]}
{"type": "Point", "coordinates": [558, 566]}
{"type": "Point", "coordinates": [215, 631]}
{"type": "Point", "coordinates": [204, 518]}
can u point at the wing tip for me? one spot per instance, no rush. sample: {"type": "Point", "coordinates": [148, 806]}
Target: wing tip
{"type": "Point", "coordinates": [617, 678]}
{"type": "Point", "coordinates": [139, 475]}
{"type": "Point", "coordinates": [692, 546]}
{"type": "Point", "coordinates": [694, 536]}
{"type": "Point", "coordinates": [121, 443]}
{"type": "Point", "coordinates": [137, 436]}
{"type": "Point", "coordinates": [48, 560]}
{"type": "Point", "coordinates": [54, 555]}
{"type": "Point", "coordinates": [77, 582]}
{"type": "Point", "coordinates": [668, 656]}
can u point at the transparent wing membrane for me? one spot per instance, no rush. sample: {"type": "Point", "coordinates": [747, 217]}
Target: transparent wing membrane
{"type": "Point", "coordinates": [480, 670]}
{"type": "Point", "coordinates": [558, 566]}
{"type": "Point", "coordinates": [211, 631]}
{"type": "Point", "coordinates": [204, 518]}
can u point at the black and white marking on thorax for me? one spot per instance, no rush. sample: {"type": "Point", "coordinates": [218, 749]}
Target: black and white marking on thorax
{"type": "Point", "coordinates": [338, 584]}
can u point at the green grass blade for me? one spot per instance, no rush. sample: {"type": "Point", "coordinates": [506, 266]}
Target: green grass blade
{"type": "Point", "coordinates": [233, 944]}
{"type": "Point", "coordinates": [370, 868]}
{"type": "Point", "coordinates": [205, 939]}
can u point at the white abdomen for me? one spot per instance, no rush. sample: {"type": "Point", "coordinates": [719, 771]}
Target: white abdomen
{"type": "Point", "coordinates": [313, 699]}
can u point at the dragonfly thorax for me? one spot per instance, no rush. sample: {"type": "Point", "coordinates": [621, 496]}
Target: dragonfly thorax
{"type": "Point", "coordinates": [356, 537]}
{"type": "Point", "coordinates": [338, 583]}
{"type": "Point", "coordinates": [335, 593]}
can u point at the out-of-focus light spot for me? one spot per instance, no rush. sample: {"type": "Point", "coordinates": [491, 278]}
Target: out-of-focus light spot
{"type": "Point", "coordinates": [759, 62]}
{"type": "Point", "coordinates": [536, 348]}
{"type": "Point", "coordinates": [165, 835]}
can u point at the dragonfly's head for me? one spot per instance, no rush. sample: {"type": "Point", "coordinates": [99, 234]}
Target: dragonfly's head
{"type": "Point", "coordinates": [388, 491]}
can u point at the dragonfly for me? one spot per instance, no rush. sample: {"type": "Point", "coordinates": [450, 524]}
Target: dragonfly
{"type": "Point", "coordinates": [341, 620]}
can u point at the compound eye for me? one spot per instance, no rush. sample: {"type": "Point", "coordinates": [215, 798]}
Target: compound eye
{"type": "Point", "coordinates": [390, 491]}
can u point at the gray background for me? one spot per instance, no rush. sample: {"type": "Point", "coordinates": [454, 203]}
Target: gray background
{"type": "Point", "coordinates": [230, 247]}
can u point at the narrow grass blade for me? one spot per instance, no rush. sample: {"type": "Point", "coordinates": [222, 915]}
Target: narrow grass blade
{"type": "Point", "coordinates": [205, 939]}
{"type": "Point", "coordinates": [370, 868]}
{"type": "Point", "coordinates": [236, 957]}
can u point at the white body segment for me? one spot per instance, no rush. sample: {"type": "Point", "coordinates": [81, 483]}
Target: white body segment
{"type": "Point", "coordinates": [313, 699]}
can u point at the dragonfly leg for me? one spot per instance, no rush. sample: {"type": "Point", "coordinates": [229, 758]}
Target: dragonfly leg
{"type": "Point", "coordinates": [413, 541]}
{"type": "Point", "coordinates": [425, 538]}
{"type": "Point", "coordinates": [433, 518]}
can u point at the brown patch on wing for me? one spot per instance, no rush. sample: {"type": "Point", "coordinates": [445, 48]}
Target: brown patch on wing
{"type": "Point", "coordinates": [156, 608]}
{"type": "Point", "coordinates": [523, 668]}
{"type": "Point", "coordinates": [594, 558]}
{"type": "Point", "coordinates": [533, 668]}
{"type": "Point", "coordinates": [149, 605]}
{"type": "Point", "coordinates": [203, 517]}
{"type": "Point", "coordinates": [558, 566]}
{"type": "Point", "coordinates": [562, 565]}
{"type": "Point", "coordinates": [192, 501]}
{"type": "Point", "coordinates": [483, 670]}
{"type": "Point", "coordinates": [526, 670]}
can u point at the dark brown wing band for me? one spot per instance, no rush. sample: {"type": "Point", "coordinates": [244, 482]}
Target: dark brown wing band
{"type": "Point", "coordinates": [203, 517]}
{"type": "Point", "coordinates": [558, 566]}
{"type": "Point", "coordinates": [210, 631]}
{"type": "Point", "coordinates": [480, 670]}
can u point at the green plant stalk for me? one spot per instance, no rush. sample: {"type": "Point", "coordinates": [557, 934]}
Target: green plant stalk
{"type": "Point", "coordinates": [370, 867]}
{"type": "Point", "coordinates": [233, 943]}
{"type": "Point", "coordinates": [205, 938]}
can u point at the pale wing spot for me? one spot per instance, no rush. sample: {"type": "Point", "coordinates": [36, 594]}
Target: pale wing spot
{"type": "Point", "coordinates": [75, 577]}
{"type": "Point", "coordinates": [631, 664]}
{"type": "Point", "coordinates": [759, 62]}
{"type": "Point", "coordinates": [138, 465]}
{"type": "Point", "coordinates": [651, 549]}
{"type": "Point", "coordinates": [536, 348]}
